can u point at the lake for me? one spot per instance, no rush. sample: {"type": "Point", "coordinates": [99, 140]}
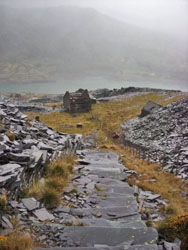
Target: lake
{"type": "Point", "coordinates": [91, 83]}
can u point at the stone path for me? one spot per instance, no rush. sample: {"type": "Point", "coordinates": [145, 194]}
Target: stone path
{"type": "Point", "coordinates": [100, 210]}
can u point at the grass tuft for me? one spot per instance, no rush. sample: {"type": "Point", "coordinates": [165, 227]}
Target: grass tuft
{"type": "Point", "coordinates": [98, 188]}
{"type": "Point", "coordinates": [51, 197]}
{"type": "Point", "coordinates": [57, 183]}
{"type": "Point", "coordinates": [56, 178]}
{"type": "Point", "coordinates": [16, 241]}
{"type": "Point", "coordinates": [176, 227]}
{"type": "Point", "coordinates": [61, 168]}
{"type": "Point", "coordinates": [11, 136]}
{"type": "Point", "coordinates": [3, 206]}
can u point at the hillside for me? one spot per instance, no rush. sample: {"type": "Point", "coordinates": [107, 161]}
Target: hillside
{"type": "Point", "coordinates": [42, 44]}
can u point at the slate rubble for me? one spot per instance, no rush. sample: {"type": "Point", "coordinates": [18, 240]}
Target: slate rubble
{"type": "Point", "coordinates": [24, 157]}
{"type": "Point", "coordinates": [162, 137]}
{"type": "Point", "coordinates": [37, 104]}
{"type": "Point", "coordinates": [102, 93]}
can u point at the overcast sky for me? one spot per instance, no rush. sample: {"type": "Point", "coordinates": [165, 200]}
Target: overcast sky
{"type": "Point", "coordinates": [170, 16]}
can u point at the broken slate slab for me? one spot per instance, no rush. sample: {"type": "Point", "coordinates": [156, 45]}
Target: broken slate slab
{"type": "Point", "coordinates": [30, 203]}
{"type": "Point", "coordinates": [44, 146]}
{"type": "Point", "coordinates": [149, 197]}
{"type": "Point", "coordinates": [42, 214]}
{"type": "Point", "coordinates": [6, 223]}
{"type": "Point", "coordinates": [114, 236]}
{"type": "Point", "coordinates": [105, 247]}
{"type": "Point", "coordinates": [61, 209]}
{"type": "Point", "coordinates": [19, 157]}
{"type": "Point", "coordinates": [9, 169]}
{"type": "Point", "coordinates": [37, 157]}
{"type": "Point", "coordinates": [171, 246]}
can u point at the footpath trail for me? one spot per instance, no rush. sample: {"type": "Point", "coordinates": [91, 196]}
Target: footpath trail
{"type": "Point", "coordinates": [100, 211]}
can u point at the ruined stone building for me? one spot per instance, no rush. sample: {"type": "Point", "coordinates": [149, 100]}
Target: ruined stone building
{"type": "Point", "coordinates": [77, 102]}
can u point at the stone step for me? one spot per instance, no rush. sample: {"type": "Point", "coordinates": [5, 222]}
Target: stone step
{"type": "Point", "coordinates": [92, 236]}
{"type": "Point", "coordinates": [100, 156]}
{"type": "Point", "coordinates": [99, 165]}
{"type": "Point", "coordinates": [115, 189]}
{"type": "Point", "coordinates": [113, 173]}
{"type": "Point", "coordinates": [137, 247]}
{"type": "Point", "coordinates": [105, 223]}
{"type": "Point", "coordinates": [104, 167]}
{"type": "Point", "coordinates": [114, 195]}
{"type": "Point", "coordinates": [94, 178]}
{"type": "Point", "coordinates": [112, 182]}
{"type": "Point", "coordinates": [113, 201]}
{"type": "Point", "coordinates": [110, 213]}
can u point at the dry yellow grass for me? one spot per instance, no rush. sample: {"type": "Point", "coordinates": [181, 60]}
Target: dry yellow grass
{"type": "Point", "coordinates": [56, 179]}
{"type": "Point", "coordinates": [54, 104]}
{"type": "Point", "coordinates": [16, 241]}
{"type": "Point", "coordinates": [11, 136]}
{"type": "Point", "coordinates": [104, 118]}
{"type": "Point", "coordinates": [176, 227]}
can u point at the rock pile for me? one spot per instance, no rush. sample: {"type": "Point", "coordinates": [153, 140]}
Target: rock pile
{"type": "Point", "coordinates": [26, 104]}
{"type": "Point", "coordinates": [162, 136]}
{"type": "Point", "coordinates": [101, 93]}
{"type": "Point", "coordinates": [26, 147]}
{"type": "Point", "coordinates": [27, 211]}
{"type": "Point", "coordinates": [33, 108]}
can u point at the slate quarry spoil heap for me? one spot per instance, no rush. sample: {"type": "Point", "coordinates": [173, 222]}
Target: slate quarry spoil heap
{"type": "Point", "coordinates": [162, 136]}
{"type": "Point", "coordinates": [26, 147]}
{"type": "Point", "coordinates": [100, 93]}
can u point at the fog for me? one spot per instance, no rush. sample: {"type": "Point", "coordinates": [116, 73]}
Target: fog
{"type": "Point", "coordinates": [45, 40]}
{"type": "Point", "coordinates": [169, 16]}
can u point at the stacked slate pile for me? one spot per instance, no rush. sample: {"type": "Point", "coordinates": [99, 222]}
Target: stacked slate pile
{"type": "Point", "coordinates": [100, 93]}
{"type": "Point", "coordinates": [26, 147]}
{"type": "Point", "coordinates": [162, 136]}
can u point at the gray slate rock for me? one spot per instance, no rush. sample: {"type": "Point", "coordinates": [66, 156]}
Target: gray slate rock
{"type": "Point", "coordinates": [42, 214]}
{"type": "Point", "coordinates": [30, 203]}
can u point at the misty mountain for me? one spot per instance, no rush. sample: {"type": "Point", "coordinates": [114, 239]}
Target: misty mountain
{"type": "Point", "coordinates": [44, 43]}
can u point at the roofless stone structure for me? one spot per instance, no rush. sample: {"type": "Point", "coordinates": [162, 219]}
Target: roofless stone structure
{"type": "Point", "coordinates": [77, 102]}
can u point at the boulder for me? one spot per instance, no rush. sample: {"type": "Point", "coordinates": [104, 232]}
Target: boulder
{"type": "Point", "coordinates": [149, 108]}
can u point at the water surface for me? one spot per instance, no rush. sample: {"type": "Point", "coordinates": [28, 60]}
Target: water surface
{"type": "Point", "coordinates": [91, 83]}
